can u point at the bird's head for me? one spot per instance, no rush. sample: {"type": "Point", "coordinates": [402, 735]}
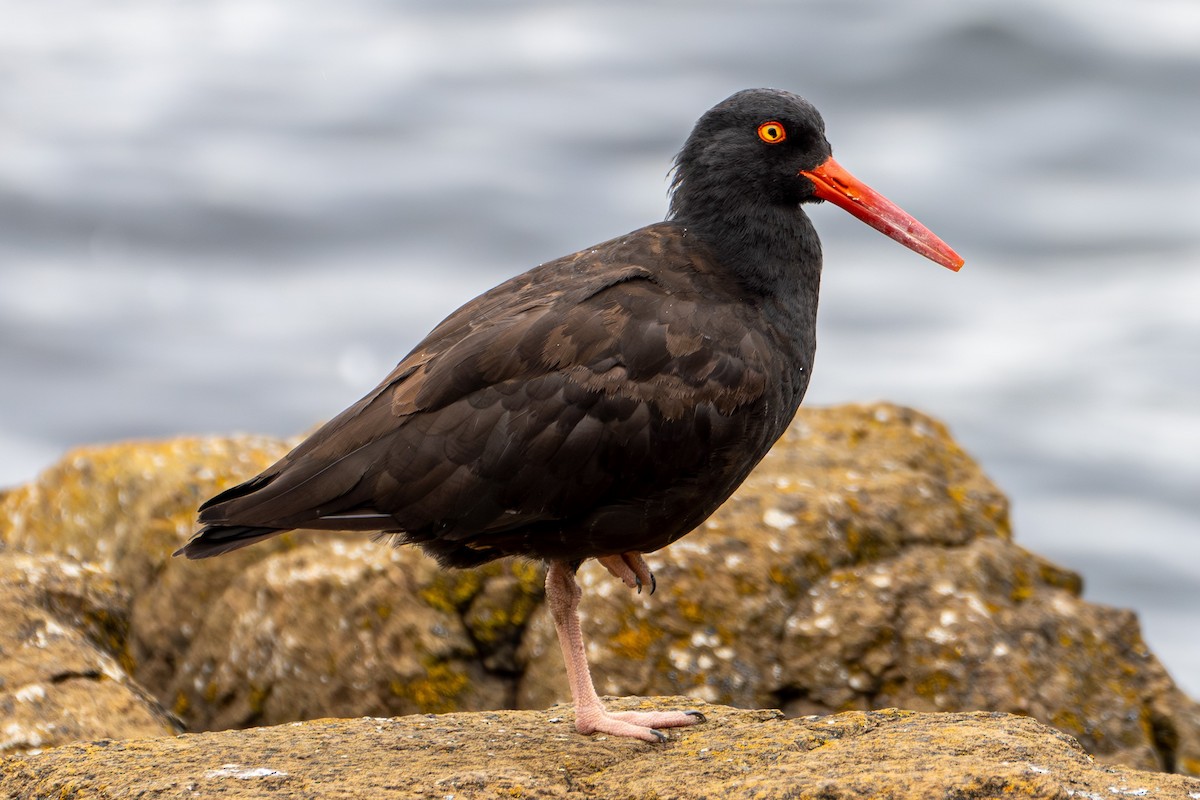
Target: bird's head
{"type": "Point", "coordinates": [766, 147]}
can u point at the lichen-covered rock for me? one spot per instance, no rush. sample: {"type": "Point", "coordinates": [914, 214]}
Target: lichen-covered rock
{"type": "Point", "coordinates": [61, 641]}
{"type": "Point", "coordinates": [125, 508]}
{"type": "Point", "coordinates": [986, 626]}
{"type": "Point", "coordinates": [867, 562]}
{"type": "Point", "coordinates": [353, 627]}
{"type": "Point", "coordinates": [120, 506]}
{"type": "Point", "coordinates": [889, 754]}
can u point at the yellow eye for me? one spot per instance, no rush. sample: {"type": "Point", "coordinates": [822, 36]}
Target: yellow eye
{"type": "Point", "coordinates": [772, 132]}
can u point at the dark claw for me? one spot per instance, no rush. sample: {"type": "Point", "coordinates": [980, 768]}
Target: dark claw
{"type": "Point", "coordinates": [653, 583]}
{"type": "Point", "coordinates": [662, 737]}
{"type": "Point", "coordinates": [638, 581]}
{"type": "Point", "coordinates": [697, 715]}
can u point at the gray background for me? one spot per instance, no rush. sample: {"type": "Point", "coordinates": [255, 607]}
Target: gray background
{"type": "Point", "coordinates": [237, 215]}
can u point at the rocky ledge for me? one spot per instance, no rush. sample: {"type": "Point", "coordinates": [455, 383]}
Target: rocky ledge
{"type": "Point", "coordinates": [513, 754]}
{"type": "Point", "coordinates": [867, 563]}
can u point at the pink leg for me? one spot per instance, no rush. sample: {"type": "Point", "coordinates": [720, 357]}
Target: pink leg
{"type": "Point", "coordinates": [562, 595]}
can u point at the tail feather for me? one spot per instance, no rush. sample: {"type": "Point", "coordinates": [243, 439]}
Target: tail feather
{"type": "Point", "coordinates": [234, 492]}
{"type": "Point", "coordinates": [213, 540]}
{"type": "Point", "coordinates": [325, 491]}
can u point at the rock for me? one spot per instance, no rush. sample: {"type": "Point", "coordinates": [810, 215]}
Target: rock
{"type": "Point", "coordinates": [126, 507]}
{"type": "Point", "coordinates": [121, 506]}
{"type": "Point", "coordinates": [59, 680]}
{"type": "Point", "coordinates": [333, 626]}
{"type": "Point", "coordinates": [735, 754]}
{"type": "Point", "coordinates": [867, 562]}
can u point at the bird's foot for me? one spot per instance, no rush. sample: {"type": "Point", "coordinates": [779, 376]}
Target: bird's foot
{"type": "Point", "coordinates": [642, 725]}
{"type": "Point", "coordinates": [631, 570]}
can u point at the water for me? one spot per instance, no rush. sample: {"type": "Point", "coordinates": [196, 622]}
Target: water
{"type": "Point", "coordinates": [237, 215]}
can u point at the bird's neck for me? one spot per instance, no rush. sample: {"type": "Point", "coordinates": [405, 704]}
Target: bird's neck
{"type": "Point", "coordinates": [773, 251]}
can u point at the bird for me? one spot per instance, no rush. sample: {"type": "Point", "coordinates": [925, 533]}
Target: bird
{"type": "Point", "coordinates": [601, 405]}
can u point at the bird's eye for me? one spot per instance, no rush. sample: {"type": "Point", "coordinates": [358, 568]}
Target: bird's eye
{"type": "Point", "coordinates": [772, 132]}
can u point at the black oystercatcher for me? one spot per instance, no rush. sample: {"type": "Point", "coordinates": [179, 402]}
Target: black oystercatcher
{"type": "Point", "coordinates": [601, 405]}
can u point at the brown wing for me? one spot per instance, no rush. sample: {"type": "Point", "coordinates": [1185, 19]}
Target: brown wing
{"type": "Point", "coordinates": [558, 415]}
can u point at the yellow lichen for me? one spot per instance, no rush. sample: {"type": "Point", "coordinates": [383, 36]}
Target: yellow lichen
{"type": "Point", "coordinates": [452, 591]}
{"type": "Point", "coordinates": [1022, 586]}
{"type": "Point", "coordinates": [634, 639]}
{"type": "Point", "coordinates": [437, 692]}
{"type": "Point", "coordinates": [1052, 575]}
{"type": "Point", "coordinates": [691, 610]}
{"type": "Point", "coordinates": [933, 685]}
{"type": "Point", "coordinates": [497, 616]}
{"type": "Point", "coordinates": [491, 625]}
{"type": "Point", "coordinates": [529, 575]}
{"type": "Point", "coordinates": [1069, 722]}
{"type": "Point", "coordinates": [258, 698]}
{"type": "Point", "coordinates": [779, 576]}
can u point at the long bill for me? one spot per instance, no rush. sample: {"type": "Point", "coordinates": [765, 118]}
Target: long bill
{"type": "Point", "coordinates": [835, 184]}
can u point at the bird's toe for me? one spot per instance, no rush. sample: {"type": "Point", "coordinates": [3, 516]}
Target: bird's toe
{"type": "Point", "coordinates": [660, 719]}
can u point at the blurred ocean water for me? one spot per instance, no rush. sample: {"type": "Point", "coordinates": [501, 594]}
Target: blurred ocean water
{"type": "Point", "coordinates": [238, 215]}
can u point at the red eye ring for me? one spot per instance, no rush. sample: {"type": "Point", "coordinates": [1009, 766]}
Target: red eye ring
{"type": "Point", "coordinates": [772, 132]}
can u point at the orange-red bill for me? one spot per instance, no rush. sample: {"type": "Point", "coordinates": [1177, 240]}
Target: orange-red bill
{"type": "Point", "coordinates": [841, 188]}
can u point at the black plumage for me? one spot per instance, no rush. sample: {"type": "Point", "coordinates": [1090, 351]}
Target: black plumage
{"type": "Point", "coordinates": [598, 406]}
{"type": "Point", "coordinates": [589, 407]}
